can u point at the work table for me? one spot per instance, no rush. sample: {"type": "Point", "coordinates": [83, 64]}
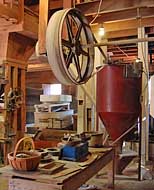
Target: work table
{"type": "Point", "coordinates": [71, 177]}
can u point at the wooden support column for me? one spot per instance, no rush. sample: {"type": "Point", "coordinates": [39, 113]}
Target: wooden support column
{"type": "Point", "coordinates": [81, 116]}
{"type": "Point", "coordinates": [43, 20]}
{"type": "Point", "coordinates": [23, 108]}
{"type": "Point", "coordinates": [143, 55]}
{"type": "Point", "coordinates": [21, 11]}
{"type": "Point", "coordinates": [99, 61]}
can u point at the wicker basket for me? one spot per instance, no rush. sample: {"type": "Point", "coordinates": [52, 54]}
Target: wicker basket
{"type": "Point", "coordinates": [24, 164]}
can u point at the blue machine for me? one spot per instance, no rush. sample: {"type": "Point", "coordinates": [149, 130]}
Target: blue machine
{"type": "Point", "coordinates": [74, 153]}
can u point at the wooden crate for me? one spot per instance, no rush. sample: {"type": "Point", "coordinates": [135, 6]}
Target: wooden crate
{"type": "Point", "coordinates": [53, 119]}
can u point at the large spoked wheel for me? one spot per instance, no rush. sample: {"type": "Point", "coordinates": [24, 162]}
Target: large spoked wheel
{"type": "Point", "coordinates": [67, 32]}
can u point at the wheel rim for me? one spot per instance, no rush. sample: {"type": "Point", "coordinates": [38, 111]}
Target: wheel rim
{"type": "Point", "coordinates": [67, 31]}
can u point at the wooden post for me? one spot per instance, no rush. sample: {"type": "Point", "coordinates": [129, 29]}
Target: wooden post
{"type": "Point", "coordinates": [99, 61]}
{"type": "Point", "coordinates": [21, 11]}
{"type": "Point", "coordinates": [81, 123]}
{"type": "Point", "coordinates": [43, 20]}
{"type": "Point", "coordinates": [23, 108]}
{"type": "Point", "coordinates": [14, 78]}
{"type": "Point", "coordinates": [143, 55]}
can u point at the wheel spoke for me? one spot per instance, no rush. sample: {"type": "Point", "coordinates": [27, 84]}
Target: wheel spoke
{"type": "Point", "coordinates": [66, 43]}
{"type": "Point", "coordinates": [77, 64]}
{"type": "Point", "coordinates": [69, 59]}
{"type": "Point", "coordinates": [83, 52]}
{"type": "Point", "coordinates": [69, 29]}
{"type": "Point", "coordinates": [78, 32]}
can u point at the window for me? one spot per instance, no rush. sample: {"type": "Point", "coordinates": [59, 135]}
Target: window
{"type": "Point", "coordinates": [52, 89]}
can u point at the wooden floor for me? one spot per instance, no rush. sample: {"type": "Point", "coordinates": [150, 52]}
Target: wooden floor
{"type": "Point", "coordinates": [127, 181]}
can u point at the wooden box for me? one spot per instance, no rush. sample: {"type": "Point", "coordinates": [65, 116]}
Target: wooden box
{"type": "Point", "coordinates": [53, 119]}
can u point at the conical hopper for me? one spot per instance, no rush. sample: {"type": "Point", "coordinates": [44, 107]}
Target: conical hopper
{"type": "Point", "coordinates": [118, 99]}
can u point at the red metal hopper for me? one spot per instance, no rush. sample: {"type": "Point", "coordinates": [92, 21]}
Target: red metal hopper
{"type": "Point", "coordinates": [118, 99]}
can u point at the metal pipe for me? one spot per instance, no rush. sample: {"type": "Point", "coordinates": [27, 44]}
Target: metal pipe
{"type": "Point", "coordinates": [121, 136]}
{"type": "Point", "coordinates": [119, 42]}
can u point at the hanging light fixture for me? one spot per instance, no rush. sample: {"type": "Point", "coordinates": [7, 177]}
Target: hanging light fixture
{"type": "Point", "coordinates": [101, 31]}
{"type": "Point", "coordinates": [137, 60]}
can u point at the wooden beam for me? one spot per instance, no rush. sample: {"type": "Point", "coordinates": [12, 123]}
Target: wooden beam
{"type": "Point", "coordinates": [125, 59]}
{"type": "Point", "coordinates": [57, 4]}
{"type": "Point", "coordinates": [120, 54]}
{"type": "Point", "coordinates": [38, 67]}
{"type": "Point", "coordinates": [117, 51]}
{"type": "Point", "coordinates": [53, 5]}
{"type": "Point", "coordinates": [121, 33]}
{"type": "Point", "coordinates": [125, 26]}
{"type": "Point", "coordinates": [115, 34]}
{"type": "Point", "coordinates": [43, 77]}
{"type": "Point", "coordinates": [129, 24]}
{"type": "Point", "coordinates": [91, 7]}
{"type": "Point", "coordinates": [122, 14]}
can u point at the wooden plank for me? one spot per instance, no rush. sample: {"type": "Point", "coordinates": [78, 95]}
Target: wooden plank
{"type": "Point", "coordinates": [120, 33]}
{"type": "Point", "coordinates": [129, 24]}
{"type": "Point", "coordinates": [43, 20]}
{"type": "Point", "coordinates": [123, 28]}
{"type": "Point", "coordinates": [33, 67]}
{"type": "Point", "coordinates": [91, 7]}
{"type": "Point", "coordinates": [89, 171]}
{"type": "Point", "coordinates": [117, 15]}
{"type": "Point", "coordinates": [71, 178]}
